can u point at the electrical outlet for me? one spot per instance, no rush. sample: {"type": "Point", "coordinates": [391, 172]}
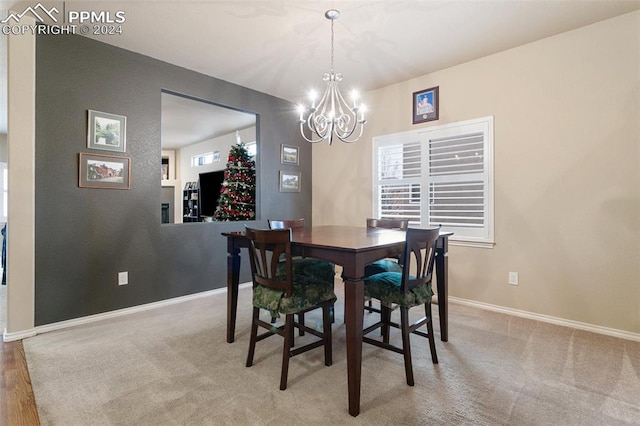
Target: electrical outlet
{"type": "Point", "coordinates": [123, 278]}
{"type": "Point", "coordinates": [513, 278]}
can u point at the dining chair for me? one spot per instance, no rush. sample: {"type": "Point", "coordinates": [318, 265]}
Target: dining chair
{"type": "Point", "coordinates": [406, 291]}
{"type": "Point", "coordinates": [304, 266]}
{"type": "Point", "coordinates": [279, 290]}
{"type": "Point", "coordinates": [383, 265]}
{"type": "Point", "coordinates": [286, 223]}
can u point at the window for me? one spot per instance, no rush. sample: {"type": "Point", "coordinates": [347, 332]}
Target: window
{"type": "Point", "coordinates": [252, 149]}
{"type": "Point", "coordinates": [203, 159]}
{"type": "Point", "coordinates": [439, 176]}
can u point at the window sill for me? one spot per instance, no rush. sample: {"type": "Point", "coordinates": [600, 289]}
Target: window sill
{"type": "Point", "coordinates": [468, 243]}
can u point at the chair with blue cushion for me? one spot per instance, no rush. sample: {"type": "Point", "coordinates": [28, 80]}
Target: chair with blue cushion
{"type": "Point", "coordinates": [278, 289]}
{"type": "Point", "coordinates": [308, 266]}
{"type": "Point", "coordinates": [406, 291]}
{"type": "Point", "coordinates": [383, 265]}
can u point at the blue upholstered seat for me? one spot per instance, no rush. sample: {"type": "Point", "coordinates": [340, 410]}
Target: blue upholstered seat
{"type": "Point", "coordinates": [386, 287]}
{"type": "Point", "coordinates": [384, 265]}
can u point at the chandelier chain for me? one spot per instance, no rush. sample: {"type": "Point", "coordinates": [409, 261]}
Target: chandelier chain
{"type": "Point", "coordinates": [332, 46]}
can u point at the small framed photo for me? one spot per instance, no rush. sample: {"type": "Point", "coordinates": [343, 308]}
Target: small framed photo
{"type": "Point", "coordinates": [104, 171]}
{"type": "Point", "coordinates": [165, 171]}
{"type": "Point", "coordinates": [426, 105]}
{"type": "Point", "coordinates": [107, 132]}
{"type": "Point", "coordinates": [289, 181]}
{"type": "Point", "coordinates": [216, 156]}
{"type": "Point", "coordinates": [289, 154]}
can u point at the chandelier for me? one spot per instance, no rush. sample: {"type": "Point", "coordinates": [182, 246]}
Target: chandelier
{"type": "Point", "coordinates": [332, 116]}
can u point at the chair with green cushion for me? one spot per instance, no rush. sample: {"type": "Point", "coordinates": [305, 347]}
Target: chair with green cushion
{"type": "Point", "coordinates": [278, 289]}
{"type": "Point", "coordinates": [383, 265]}
{"type": "Point", "coordinates": [406, 291]}
{"type": "Point", "coordinates": [309, 266]}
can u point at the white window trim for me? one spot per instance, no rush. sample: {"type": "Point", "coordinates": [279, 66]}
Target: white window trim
{"type": "Point", "coordinates": [487, 239]}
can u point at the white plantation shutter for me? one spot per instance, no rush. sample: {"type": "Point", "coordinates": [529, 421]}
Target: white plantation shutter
{"type": "Point", "coordinates": [456, 181]}
{"type": "Point", "coordinates": [439, 176]}
{"type": "Point", "coordinates": [399, 172]}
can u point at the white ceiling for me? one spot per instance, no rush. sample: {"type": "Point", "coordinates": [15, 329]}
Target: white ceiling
{"type": "Point", "coordinates": [283, 47]}
{"type": "Point", "coordinates": [186, 121]}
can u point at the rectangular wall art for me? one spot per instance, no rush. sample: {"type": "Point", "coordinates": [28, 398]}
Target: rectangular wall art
{"type": "Point", "coordinates": [104, 171]}
{"type": "Point", "coordinates": [107, 132]}
{"type": "Point", "coordinates": [426, 105]}
{"type": "Point", "coordinates": [289, 181]}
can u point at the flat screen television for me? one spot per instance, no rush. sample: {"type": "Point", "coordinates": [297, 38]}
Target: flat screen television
{"type": "Point", "coordinates": [210, 185]}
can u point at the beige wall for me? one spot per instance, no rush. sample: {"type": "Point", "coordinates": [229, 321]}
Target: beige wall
{"type": "Point", "coordinates": [21, 202]}
{"type": "Point", "coordinates": [567, 172]}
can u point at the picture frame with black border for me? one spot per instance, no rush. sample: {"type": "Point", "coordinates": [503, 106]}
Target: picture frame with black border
{"type": "Point", "coordinates": [103, 171]}
{"type": "Point", "coordinates": [426, 105]}
{"type": "Point", "coordinates": [106, 131]}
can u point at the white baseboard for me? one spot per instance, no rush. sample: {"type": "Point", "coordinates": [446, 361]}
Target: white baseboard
{"type": "Point", "coordinates": [19, 335]}
{"type": "Point", "coordinates": [549, 319]}
{"type": "Point", "coordinates": [9, 337]}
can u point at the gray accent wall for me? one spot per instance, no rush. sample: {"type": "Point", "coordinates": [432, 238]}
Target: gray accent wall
{"type": "Point", "coordinates": [83, 236]}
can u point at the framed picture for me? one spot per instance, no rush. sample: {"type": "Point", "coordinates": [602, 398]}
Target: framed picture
{"type": "Point", "coordinates": [165, 168]}
{"type": "Point", "coordinates": [289, 181]}
{"type": "Point", "coordinates": [289, 154]}
{"type": "Point", "coordinates": [216, 156]}
{"type": "Point", "coordinates": [104, 171]}
{"type": "Point", "coordinates": [107, 132]}
{"type": "Point", "coordinates": [425, 105]}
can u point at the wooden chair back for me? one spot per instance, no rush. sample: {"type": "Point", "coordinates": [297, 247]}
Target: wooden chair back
{"type": "Point", "coordinates": [419, 255]}
{"type": "Point", "coordinates": [284, 224]}
{"type": "Point", "coordinates": [268, 248]}
{"type": "Point", "coordinates": [401, 224]}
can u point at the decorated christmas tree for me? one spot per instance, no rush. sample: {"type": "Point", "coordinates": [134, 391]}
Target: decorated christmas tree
{"type": "Point", "coordinates": [238, 192]}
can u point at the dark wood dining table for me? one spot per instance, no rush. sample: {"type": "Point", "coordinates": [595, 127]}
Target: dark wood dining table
{"type": "Point", "coordinates": [352, 248]}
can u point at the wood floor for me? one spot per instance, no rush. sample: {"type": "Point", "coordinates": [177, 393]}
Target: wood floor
{"type": "Point", "coordinates": [17, 403]}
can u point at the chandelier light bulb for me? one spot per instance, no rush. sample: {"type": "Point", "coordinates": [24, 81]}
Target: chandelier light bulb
{"type": "Point", "coordinates": [301, 110]}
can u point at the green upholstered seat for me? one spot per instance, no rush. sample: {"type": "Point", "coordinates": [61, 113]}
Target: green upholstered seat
{"type": "Point", "coordinates": [305, 296]}
{"type": "Point", "coordinates": [313, 281]}
{"type": "Point", "coordinates": [312, 270]}
{"type": "Point", "coordinates": [312, 284]}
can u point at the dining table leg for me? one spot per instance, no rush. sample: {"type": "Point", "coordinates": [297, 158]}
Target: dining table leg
{"type": "Point", "coordinates": [442, 286]}
{"type": "Point", "coordinates": [233, 281]}
{"type": "Point", "coordinates": [354, 312]}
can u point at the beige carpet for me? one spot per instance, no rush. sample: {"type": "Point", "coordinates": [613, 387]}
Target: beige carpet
{"type": "Point", "coordinates": [172, 366]}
